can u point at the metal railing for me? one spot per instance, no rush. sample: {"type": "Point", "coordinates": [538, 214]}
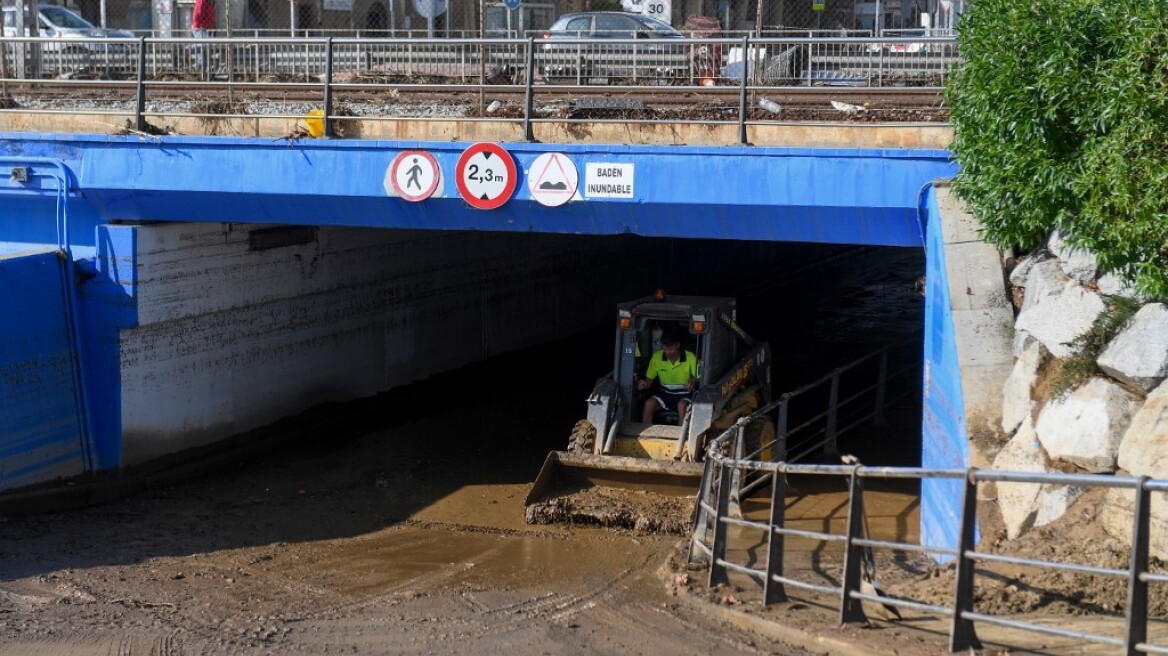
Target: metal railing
{"type": "Point", "coordinates": [142, 69]}
{"type": "Point", "coordinates": [767, 62]}
{"type": "Point", "coordinates": [709, 543]}
{"type": "Point", "coordinates": [833, 405]}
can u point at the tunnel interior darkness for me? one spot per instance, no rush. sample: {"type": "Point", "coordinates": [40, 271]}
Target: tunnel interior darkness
{"type": "Point", "coordinates": [819, 307]}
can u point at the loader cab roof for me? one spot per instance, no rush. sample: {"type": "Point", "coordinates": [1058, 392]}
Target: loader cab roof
{"type": "Point", "coordinates": [678, 306]}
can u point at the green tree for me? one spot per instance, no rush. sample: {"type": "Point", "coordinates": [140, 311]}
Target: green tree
{"type": "Point", "coordinates": [1061, 118]}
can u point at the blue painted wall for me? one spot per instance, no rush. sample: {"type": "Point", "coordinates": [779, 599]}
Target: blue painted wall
{"type": "Point", "coordinates": [40, 419]}
{"type": "Point", "coordinates": [782, 194]}
{"type": "Point", "coordinates": [944, 441]}
{"type": "Point", "coordinates": [108, 302]}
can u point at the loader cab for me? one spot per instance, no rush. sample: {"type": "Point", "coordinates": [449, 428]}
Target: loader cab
{"type": "Point", "coordinates": [699, 321]}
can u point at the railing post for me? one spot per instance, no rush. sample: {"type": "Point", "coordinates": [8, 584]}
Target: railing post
{"type": "Point", "coordinates": [781, 427]}
{"type": "Point", "coordinates": [830, 448]}
{"type": "Point", "coordinates": [529, 90]}
{"type": "Point", "coordinates": [850, 609]}
{"type": "Point", "coordinates": [718, 574]}
{"type": "Point", "coordinates": [739, 452]}
{"type": "Point", "coordinates": [702, 517]}
{"type": "Point", "coordinates": [579, 61]}
{"type": "Point", "coordinates": [328, 88]}
{"type": "Point", "coordinates": [773, 591]}
{"type": "Point", "coordinates": [140, 102]}
{"type": "Point", "coordinates": [742, 95]}
{"type": "Point", "coordinates": [961, 634]}
{"type": "Point", "coordinates": [878, 417]}
{"type": "Point", "coordinates": [1137, 588]}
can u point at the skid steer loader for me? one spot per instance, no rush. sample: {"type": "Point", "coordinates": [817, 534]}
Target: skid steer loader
{"type": "Point", "coordinates": [612, 448]}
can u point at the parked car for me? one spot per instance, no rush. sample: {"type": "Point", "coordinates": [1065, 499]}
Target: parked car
{"type": "Point", "coordinates": [59, 22]}
{"type": "Point", "coordinates": [908, 47]}
{"type": "Point", "coordinates": [83, 56]}
{"type": "Point", "coordinates": [612, 50]}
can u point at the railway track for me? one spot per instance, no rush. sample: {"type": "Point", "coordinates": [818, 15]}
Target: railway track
{"type": "Point", "coordinates": [220, 97]}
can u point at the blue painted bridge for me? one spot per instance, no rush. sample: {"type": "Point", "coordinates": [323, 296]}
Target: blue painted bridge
{"type": "Point", "coordinates": [773, 194]}
{"type": "Point", "coordinates": [138, 318]}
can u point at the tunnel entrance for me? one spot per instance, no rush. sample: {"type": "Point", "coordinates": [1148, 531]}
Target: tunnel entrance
{"type": "Point", "coordinates": [819, 306]}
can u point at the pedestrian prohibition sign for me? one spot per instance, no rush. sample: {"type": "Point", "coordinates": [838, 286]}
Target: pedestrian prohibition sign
{"type": "Point", "coordinates": [415, 175]}
{"type": "Point", "coordinates": [486, 175]}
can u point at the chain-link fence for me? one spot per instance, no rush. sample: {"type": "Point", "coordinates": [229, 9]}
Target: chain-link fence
{"type": "Point", "coordinates": [470, 18]}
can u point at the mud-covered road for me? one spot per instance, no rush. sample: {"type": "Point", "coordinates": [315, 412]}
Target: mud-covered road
{"type": "Point", "coordinates": [407, 540]}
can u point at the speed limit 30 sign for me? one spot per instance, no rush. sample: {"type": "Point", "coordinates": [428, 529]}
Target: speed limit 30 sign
{"type": "Point", "coordinates": [486, 175]}
{"type": "Point", "coordinates": [660, 9]}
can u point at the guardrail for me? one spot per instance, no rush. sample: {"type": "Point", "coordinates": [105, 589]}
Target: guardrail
{"type": "Point", "coordinates": [710, 540]}
{"type": "Point", "coordinates": [351, 66]}
{"type": "Point", "coordinates": [712, 62]}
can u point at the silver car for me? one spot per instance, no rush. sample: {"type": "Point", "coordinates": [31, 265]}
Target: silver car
{"type": "Point", "coordinates": [61, 57]}
{"type": "Point", "coordinates": [605, 44]}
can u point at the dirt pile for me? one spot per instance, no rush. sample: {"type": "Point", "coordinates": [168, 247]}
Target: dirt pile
{"type": "Point", "coordinates": [616, 508]}
{"type": "Point", "coordinates": [1003, 589]}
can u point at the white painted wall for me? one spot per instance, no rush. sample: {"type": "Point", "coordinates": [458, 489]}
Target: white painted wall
{"type": "Point", "coordinates": [231, 339]}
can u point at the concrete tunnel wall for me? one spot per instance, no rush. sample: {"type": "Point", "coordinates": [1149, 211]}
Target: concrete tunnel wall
{"type": "Point", "coordinates": [226, 338]}
{"type": "Point", "coordinates": [197, 332]}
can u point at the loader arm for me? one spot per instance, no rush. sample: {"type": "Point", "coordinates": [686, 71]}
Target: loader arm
{"type": "Point", "coordinates": [752, 371]}
{"type": "Point", "coordinates": [603, 404]}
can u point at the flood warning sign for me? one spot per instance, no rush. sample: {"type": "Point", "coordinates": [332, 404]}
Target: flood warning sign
{"type": "Point", "coordinates": [608, 180]}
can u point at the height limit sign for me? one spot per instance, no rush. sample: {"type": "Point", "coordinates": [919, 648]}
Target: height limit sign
{"type": "Point", "coordinates": [486, 176]}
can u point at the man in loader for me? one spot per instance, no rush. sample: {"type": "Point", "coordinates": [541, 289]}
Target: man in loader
{"type": "Point", "coordinates": [676, 371]}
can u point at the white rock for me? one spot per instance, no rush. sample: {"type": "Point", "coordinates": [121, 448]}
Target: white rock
{"type": "Point", "coordinates": [1138, 355]}
{"type": "Point", "coordinates": [1116, 516]}
{"type": "Point", "coordinates": [1044, 279]}
{"type": "Point", "coordinates": [1016, 400]}
{"type": "Point", "coordinates": [1086, 426]}
{"type": "Point", "coordinates": [1144, 448]}
{"type": "Point", "coordinates": [1143, 452]}
{"type": "Point", "coordinates": [1019, 501]}
{"type": "Point", "coordinates": [1110, 284]}
{"type": "Point", "coordinates": [1022, 341]}
{"type": "Point", "coordinates": [1058, 319]}
{"type": "Point", "coordinates": [1053, 502]}
{"type": "Point", "coordinates": [1018, 275]}
{"type": "Point", "coordinates": [1079, 264]}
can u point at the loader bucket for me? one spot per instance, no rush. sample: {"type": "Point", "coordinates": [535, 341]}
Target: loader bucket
{"type": "Point", "coordinates": [637, 493]}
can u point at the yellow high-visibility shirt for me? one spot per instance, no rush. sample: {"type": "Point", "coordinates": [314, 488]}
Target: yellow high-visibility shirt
{"type": "Point", "coordinates": [673, 375]}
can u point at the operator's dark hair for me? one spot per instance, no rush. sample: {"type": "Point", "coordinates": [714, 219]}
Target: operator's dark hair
{"type": "Point", "coordinates": [670, 338]}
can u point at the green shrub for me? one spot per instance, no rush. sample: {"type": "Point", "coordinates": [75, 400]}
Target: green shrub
{"type": "Point", "coordinates": [1061, 117]}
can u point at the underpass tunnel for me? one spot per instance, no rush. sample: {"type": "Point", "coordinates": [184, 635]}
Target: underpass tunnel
{"type": "Point", "coordinates": [819, 306]}
{"type": "Point", "coordinates": [194, 330]}
{"type": "Point", "coordinates": [215, 331]}
{"type": "Point", "coordinates": [491, 422]}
